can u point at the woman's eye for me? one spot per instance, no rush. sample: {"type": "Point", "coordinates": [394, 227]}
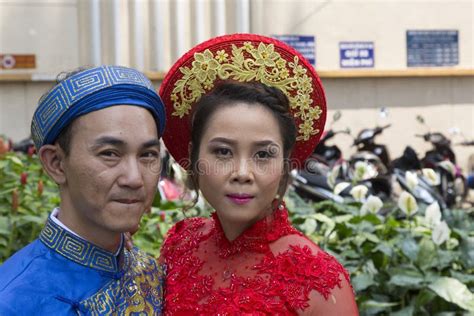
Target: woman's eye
{"type": "Point", "coordinates": [263, 154]}
{"type": "Point", "coordinates": [222, 152]}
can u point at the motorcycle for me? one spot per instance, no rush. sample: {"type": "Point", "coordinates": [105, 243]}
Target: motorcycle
{"type": "Point", "coordinates": [453, 186]}
{"type": "Point", "coordinates": [311, 182]}
{"type": "Point", "coordinates": [378, 179]}
{"type": "Point", "coordinates": [425, 191]}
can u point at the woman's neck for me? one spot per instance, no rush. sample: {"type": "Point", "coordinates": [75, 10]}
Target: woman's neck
{"type": "Point", "coordinates": [233, 229]}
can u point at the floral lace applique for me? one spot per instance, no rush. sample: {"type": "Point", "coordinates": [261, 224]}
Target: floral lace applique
{"type": "Point", "coordinates": [209, 275]}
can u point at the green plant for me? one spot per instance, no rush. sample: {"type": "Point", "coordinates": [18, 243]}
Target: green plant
{"type": "Point", "coordinates": [395, 265]}
{"type": "Point", "coordinates": [27, 195]}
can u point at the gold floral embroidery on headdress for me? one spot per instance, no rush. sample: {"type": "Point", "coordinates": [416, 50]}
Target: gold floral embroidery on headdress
{"type": "Point", "coordinates": [249, 63]}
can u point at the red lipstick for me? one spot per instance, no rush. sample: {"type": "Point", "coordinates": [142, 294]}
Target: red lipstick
{"type": "Point", "coordinates": [240, 199]}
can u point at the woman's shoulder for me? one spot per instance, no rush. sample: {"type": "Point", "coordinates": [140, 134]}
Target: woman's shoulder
{"type": "Point", "coordinates": [325, 281]}
{"type": "Point", "coordinates": [291, 242]}
{"type": "Point", "coordinates": [309, 262]}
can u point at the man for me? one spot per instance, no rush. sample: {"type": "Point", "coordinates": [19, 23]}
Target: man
{"type": "Point", "coordinates": [97, 135]}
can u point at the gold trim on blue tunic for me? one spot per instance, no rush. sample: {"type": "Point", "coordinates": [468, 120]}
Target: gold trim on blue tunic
{"type": "Point", "coordinates": [136, 281]}
{"type": "Point", "coordinates": [77, 249]}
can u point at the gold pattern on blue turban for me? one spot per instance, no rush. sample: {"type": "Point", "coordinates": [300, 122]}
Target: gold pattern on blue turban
{"type": "Point", "coordinates": [92, 90]}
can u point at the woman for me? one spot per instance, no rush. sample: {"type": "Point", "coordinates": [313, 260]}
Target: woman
{"type": "Point", "coordinates": [256, 109]}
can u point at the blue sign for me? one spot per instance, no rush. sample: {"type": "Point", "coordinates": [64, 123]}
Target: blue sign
{"type": "Point", "coordinates": [432, 48]}
{"type": "Point", "coordinates": [356, 54]}
{"type": "Point", "coordinates": [304, 44]}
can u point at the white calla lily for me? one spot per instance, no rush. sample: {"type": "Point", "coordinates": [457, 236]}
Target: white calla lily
{"type": "Point", "coordinates": [340, 187]}
{"type": "Point", "coordinates": [433, 215]}
{"type": "Point", "coordinates": [407, 203]}
{"type": "Point", "coordinates": [440, 233]}
{"type": "Point", "coordinates": [332, 175]}
{"type": "Point", "coordinates": [372, 205]}
{"type": "Point", "coordinates": [412, 179]}
{"type": "Point", "coordinates": [431, 176]}
{"type": "Point", "coordinates": [359, 192]}
{"type": "Point", "coordinates": [360, 170]}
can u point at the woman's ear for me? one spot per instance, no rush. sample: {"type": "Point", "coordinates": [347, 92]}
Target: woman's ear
{"type": "Point", "coordinates": [190, 149]}
{"type": "Point", "coordinates": [52, 158]}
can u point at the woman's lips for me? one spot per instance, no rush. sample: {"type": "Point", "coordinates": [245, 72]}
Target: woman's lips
{"type": "Point", "coordinates": [240, 199]}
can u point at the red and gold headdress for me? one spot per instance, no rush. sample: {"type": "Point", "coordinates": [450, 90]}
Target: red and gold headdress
{"type": "Point", "coordinates": [243, 57]}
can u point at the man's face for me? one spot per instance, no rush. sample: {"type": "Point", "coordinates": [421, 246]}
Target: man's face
{"type": "Point", "coordinates": [111, 172]}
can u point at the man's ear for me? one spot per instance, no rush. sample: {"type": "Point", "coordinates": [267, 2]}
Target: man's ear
{"type": "Point", "coordinates": [52, 158]}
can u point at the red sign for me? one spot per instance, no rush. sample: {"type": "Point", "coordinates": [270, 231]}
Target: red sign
{"type": "Point", "coordinates": [14, 61]}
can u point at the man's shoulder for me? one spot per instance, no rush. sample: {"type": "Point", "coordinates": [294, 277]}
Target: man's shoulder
{"type": "Point", "coordinates": [21, 263]}
{"type": "Point", "coordinates": [19, 278]}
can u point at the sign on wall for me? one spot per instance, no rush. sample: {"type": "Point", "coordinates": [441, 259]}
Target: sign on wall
{"type": "Point", "coordinates": [356, 54]}
{"type": "Point", "coordinates": [432, 48]}
{"type": "Point", "coordinates": [304, 44]}
{"type": "Point", "coordinates": [15, 61]}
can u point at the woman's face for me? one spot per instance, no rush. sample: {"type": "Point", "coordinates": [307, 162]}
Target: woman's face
{"type": "Point", "coordinates": [241, 163]}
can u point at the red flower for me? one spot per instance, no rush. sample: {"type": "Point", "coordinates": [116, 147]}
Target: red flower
{"type": "Point", "coordinates": [162, 216]}
{"type": "Point", "coordinates": [23, 178]}
{"type": "Point", "coordinates": [15, 200]}
{"type": "Point", "coordinates": [3, 147]}
{"type": "Point", "coordinates": [31, 151]}
{"type": "Point", "coordinates": [40, 187]}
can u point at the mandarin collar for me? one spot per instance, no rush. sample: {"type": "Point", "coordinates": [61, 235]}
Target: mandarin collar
{"type": "Point", "coordinates": [256, 237]}
{"type": "Point", "coordinates": [79, 250]}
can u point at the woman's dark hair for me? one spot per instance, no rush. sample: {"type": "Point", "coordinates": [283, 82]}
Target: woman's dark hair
{"type": "Point", "coordinates": [227, 93]}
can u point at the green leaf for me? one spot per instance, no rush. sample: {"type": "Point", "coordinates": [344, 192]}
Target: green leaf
{"type": "Point", "coordinates": [463, 277]}
{"type": "Point", "coordinates": [362, 281]}
{"type": "Point", "coordinates": [424, 297]}
{"type": "Point", "coordinates": [407, 278]}
{"type": "Point", "coordinates": [467, 251]}
{"type": "Point", "coordinates": [453, 291]}
{"type": "Point", "coordinates": [4, 226]}
{"type": "Point", "coordinates": [309, 226]}
{"type": "Point", "coordinates": [16, 160]}
{"type": "Point", "coordinates": [371, 237]}
{"type": "Point", "coordinates": [407, 311]}
{"type": "Point", "coordinates": [384, 248]}
{"type": "Point", "coordinates": [410, 248]}
{"type": "Point", "coordinates": [372, 303]}
{"type": "Point", "coordinates": [427, 254]}
{"type": "Point", "coordinates": [325, 219]}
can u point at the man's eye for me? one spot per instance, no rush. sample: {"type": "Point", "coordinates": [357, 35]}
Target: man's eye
{"type": "Point", "coordinates": [151, 154]}
{"type": "Point", "coordinates": [109, 154]}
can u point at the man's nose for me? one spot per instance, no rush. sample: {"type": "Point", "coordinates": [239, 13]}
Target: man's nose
{"type": "Point", "coordinates": [132, 174]}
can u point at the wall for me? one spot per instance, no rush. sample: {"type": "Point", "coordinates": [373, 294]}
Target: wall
{"type": "Point", "coordinates": [58, 32]}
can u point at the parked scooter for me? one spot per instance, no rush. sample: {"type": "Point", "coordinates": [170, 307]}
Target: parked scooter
{"type": "Point", "coordinates": [425, 191]}
{"type": "Point", "coordinates": [377, 156]}
{"type": "Point", "coordinates": [311, 182]}
{"type": "Point", "coordinates": [442, 158]}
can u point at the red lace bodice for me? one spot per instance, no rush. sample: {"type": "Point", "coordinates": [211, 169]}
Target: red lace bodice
{"type": "Point", "coordinates": [269, 269]}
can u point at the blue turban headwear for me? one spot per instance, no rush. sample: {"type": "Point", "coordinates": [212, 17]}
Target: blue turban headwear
{"type": "Point", "coordinates": [92, 90]}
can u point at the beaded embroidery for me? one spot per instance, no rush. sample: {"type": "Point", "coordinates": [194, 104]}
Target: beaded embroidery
{"type": "Point", "coordinates": [248, 63]}
{"type": "Point", "coordinates": [209, 275]}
